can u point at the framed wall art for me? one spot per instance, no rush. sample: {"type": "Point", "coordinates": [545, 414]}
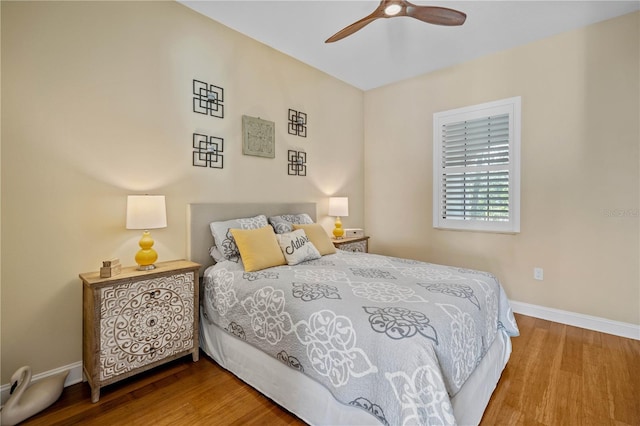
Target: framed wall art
{"type": "Point", "coordinates": [258, 137]}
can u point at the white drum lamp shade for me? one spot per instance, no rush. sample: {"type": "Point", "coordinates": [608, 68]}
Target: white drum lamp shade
{"type": "Point", "coordinates": [146, 212]}
{"type": "Point", "coordinates": [338, 207]}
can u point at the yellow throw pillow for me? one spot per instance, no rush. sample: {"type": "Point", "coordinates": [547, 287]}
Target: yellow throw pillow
{"type": "Point", "coordinates": [258, 248]}
{"type": "Point", "coordinates": [319, 237]}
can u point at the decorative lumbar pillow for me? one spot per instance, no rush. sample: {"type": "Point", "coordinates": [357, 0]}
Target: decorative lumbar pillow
{"type": "Point", "coordinates": [319, 237]}
{"type": "Point", "coordinates": [296, 247]}
{"type": "Point", "coordinates": [283, 223]}
{"type": "Point", "coordinates": [258, 248]}
{"type": "Point", "coordinates": [223, 239]}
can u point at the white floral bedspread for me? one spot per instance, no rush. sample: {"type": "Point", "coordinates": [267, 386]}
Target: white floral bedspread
{"type": "Point", "coordinates": [395, 337]}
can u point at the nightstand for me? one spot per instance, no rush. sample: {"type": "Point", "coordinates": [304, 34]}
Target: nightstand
{"type": "Point", "coordinates": [359, 244]}
{"type": "Point", "coordinates": [137, 320]}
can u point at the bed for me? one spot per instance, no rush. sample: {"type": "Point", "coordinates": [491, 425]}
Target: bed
{"type": "Point", "coordinates": [352, 338]}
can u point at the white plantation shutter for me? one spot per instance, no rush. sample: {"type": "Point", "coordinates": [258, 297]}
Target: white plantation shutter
{"type": "Point", "coordinates": [476, 167]}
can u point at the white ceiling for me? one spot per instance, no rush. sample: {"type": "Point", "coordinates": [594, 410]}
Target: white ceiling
{"type": "Point", "coordinates": [389, 50]}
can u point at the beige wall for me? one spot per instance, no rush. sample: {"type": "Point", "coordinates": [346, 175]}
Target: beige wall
{"type": "Point", "coordinates": [96, 103]}
{"type": "Point", "coordinates": [580, 169]}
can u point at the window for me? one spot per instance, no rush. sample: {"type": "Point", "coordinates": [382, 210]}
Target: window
{"type": "Point", "coordinates": [476, 167]}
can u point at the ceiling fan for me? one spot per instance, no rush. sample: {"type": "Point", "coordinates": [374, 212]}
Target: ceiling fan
{"type": "Point", "coordinates": [393, 8]}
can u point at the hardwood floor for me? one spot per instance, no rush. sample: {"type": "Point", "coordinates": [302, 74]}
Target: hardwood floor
{"type": "Point", "coordinates": [557, 375]}
{"type": "Point", "coordinates": [562, 375]}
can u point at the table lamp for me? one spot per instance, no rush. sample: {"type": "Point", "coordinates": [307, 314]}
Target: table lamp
{"type": "Point", "coordinates": [338, 206]}
{"type": "Point", "coordinates": [146, 212]}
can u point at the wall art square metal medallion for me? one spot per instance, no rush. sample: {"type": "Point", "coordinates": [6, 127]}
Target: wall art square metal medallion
{"type": "Point", "coordinates": [297, 123]}
{"type": "Point", "coordinates": [297, 163]}
{"type": "Point", "coordinates": [208, 99]}
{"type": "Point", "coordinates": [258, 137]}
{"type": "Point", "coordinates": [207, 151]}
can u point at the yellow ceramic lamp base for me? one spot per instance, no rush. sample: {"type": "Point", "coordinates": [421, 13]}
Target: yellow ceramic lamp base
{"type": "Point", "coordinates": [338, 232]}
{"type": "Point", "coordinates": [146, 256]}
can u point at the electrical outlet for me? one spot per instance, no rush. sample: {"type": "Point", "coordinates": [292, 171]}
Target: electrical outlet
{"type": "Point", "coordinates": [538, 274]}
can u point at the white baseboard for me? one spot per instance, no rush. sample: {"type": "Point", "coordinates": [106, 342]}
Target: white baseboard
{"type": "Point", "coordinates": [75, 376]}
{"type": "Point", "coordinates": [602, 325]}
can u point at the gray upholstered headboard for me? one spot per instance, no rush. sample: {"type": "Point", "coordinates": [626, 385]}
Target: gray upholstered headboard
{"type": "Point", "coordinates": [199, 239]}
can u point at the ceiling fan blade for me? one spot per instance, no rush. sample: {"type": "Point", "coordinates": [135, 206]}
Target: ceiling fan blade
{"type": "Point", "coordinates": [436, 15]}
{"type": "Point", "coordinates": [347, 31]}
{"type": "Point", "coordinates": [429, 14]}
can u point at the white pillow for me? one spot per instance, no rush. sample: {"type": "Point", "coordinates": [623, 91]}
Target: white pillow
{"type": "Point", "coordinates": [283, 223]}
{"type": "Point", "coordinates": [216, 254]}
{"type": "Point", "coordinates": [223, 239]}
{"type": "Point", "coordinates": [296, 247]}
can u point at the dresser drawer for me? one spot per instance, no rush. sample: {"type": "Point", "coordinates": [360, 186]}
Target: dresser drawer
{"type": "Point", "coordinates": [353, 244]}
{"type": "Point", "coordinates": [142, 322]}
{"type": "Point", "coordinates": [360, 246]}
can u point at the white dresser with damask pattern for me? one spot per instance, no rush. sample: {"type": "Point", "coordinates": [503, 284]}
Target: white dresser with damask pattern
{"type": "Point", "coordinates": [138, 320]}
